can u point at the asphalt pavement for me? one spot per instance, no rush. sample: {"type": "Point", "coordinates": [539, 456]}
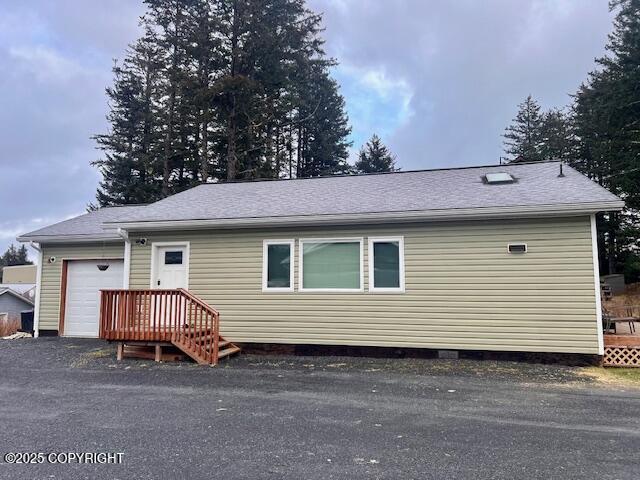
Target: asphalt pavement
{"type": "Point", "coordinates": [262, 417]}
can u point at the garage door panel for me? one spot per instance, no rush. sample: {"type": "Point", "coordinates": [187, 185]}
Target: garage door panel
{"type": "Point", "coordinates": [82, 305]}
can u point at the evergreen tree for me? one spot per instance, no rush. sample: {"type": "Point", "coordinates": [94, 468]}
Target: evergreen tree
{"type": "Point", "coordinates": [15, 256]}
{"type": "Point", "coordinates": [523, 137]}
{"type": "Point", "coordinates": [557, 139]}
{"type": "Point", "coordinates": [375, 157]}
{"type": "Point", "coordinates": [130, 148]}
{"type": "Point", "coordinates": [322, 128]}
{"type": "Point", "coordinates": [607, 124]}
{"type": "Point", "coordinates": [221, 90]}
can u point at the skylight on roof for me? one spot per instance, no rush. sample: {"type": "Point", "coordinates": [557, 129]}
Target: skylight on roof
{"type": "Point", "coordinates": [499, 177]}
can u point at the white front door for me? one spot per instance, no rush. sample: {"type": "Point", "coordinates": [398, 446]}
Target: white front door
{"type": "Point", "coordinates": [171, 268]}
{"type": "Point", "coordinates": [82, 304]}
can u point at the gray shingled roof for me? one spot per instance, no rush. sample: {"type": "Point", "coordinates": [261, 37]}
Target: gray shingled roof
{"type": "Point", "coordinates": [462, 188]}
{"type": "Point", "coordinates": [88, 225]}
{"type": "Point", "coordinates": [457, 189]}
{"type": "Point", "coordinates": [15, 294]}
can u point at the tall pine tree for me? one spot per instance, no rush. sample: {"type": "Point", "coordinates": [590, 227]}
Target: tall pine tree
{"type": "Point", "coordinates": [15, 256]}
{"type": "Point", "coordinates": [557, 137]}
{"type": "Point", "coordinates": [607, 124]}
{"type": "Point", "coordinates": [221, 90]}
{"type": "Point", "coordinates": [129, 165]}
{"type": "Point", "coordinates": [375, 157]}
{"type": "Point", "coordinates": [522, 138]}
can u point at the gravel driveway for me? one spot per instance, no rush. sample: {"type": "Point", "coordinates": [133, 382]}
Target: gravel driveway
{"type": "Point", "coordinates": [310, 417]}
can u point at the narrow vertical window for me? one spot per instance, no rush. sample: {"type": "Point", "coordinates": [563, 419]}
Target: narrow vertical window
{"type": "Point", "coordinates": [277, 266]}
{"type": "Point", "coordinates": [386, 265]}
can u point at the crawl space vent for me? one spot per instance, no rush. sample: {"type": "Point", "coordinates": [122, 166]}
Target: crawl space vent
{"type": "Point", "coordinates": [517, 248]}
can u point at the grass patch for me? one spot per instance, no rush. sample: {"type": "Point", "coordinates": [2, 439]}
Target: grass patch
{"type": "Point", "coordinates": [99, 353]}
{"type": "Point", "coordinates": [620, 376]}
{"type": "Point", "coordinates": [84, 358]}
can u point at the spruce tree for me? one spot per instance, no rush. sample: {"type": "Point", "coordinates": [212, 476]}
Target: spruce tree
{"type": "Point", "coordinates": [375, 157]}
{"type": "Point", "coordinates": [221, 90]}
{"type": "Point", "coordinates": [322, 128]}
{"type": "Point", "coordinates": [15, 256]}
{"type": "Point", "coordinates": [522, 138]}
{"type": "Point", "coordinates": [130, 148]}
{"type": "Point", "coordinates": [606, 113]}
{"type": "Point", "coordinates": [557, 138]}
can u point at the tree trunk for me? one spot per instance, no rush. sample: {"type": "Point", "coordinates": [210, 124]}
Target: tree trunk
{"type": "Point", "coordinates": [204, 152]}
{"type": "Point", "coordinates": [166, 160]}
{"type": "Point", "coordinates": [301, 172]}
{"type": "Point", "coordinates": [232, 127]}
{"type": "Point", "coordinates": [166, 164]}
{"type": "Point", "coordinates": [278, 165]}
{"type": "Point", "coordinates": [232, 159]}
{"type": "Point", "coordinates": [146, 130]}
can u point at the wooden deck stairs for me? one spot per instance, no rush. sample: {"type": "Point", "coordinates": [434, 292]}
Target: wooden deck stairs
{"type": "Point", "coordinates": [142, 319]}
{"type": "Point", "coordinates": [197, 343]}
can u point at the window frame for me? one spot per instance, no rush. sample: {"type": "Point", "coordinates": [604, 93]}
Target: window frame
{"type": "Point", "coordinates": [372, 287]}
{"type": "Point", "coordinates": [180, 251]}
{"type": "Point", "coordinates": [265, 264]}
{"type": "Point", "coordinates": [302, 241]}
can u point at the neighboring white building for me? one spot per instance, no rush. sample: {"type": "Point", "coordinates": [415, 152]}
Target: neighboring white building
{"type": "Point", "coordinates": [19, 274]}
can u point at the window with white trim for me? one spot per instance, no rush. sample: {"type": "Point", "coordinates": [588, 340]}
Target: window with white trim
{"type": "Point", "coordinates": [331, 265]}
{"type": "Point", "coordinates": [386, 264]}
{"type": "Point", "coordinates": [277, 265]}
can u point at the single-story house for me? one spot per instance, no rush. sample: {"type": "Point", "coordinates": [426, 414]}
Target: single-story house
{"type": "Point", "coordinates": [27, 290]}
{"type": "Point", "coordinates": [500, 258]}
{"type": "Point", "coordinates": [13, 303]}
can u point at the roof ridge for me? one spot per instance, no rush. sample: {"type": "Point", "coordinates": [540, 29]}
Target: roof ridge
{"type": "Point", "coordinates": [372, 174]}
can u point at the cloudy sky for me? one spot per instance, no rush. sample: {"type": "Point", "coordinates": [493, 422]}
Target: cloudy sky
{"type": "Point", "coordinates": [439, 80]}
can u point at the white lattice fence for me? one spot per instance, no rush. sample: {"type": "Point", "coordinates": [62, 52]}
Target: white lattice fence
{"type": "Point", "coordinates": [621, 357]}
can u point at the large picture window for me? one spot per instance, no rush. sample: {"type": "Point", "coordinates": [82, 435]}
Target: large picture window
{"type": "Point", "coordinates": [386, 264]}
{"type": "Point", "coordinates": [277, 266]}
{"type": "Point", "coordinates": [331, 265]}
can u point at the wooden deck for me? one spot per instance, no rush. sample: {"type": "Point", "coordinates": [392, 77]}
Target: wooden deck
{"type": "Point", "coordinates": [164, 316]}
{"type": "Point", "coordinates": [622, 349]}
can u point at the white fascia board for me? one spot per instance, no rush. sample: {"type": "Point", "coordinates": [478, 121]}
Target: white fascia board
{"type": "Point", "coordinates": [387, 217]}
{"type": "Point", "coordinates": [48, 239]}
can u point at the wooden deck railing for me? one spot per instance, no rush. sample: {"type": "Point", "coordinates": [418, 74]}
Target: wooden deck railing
{"type": "Point", "coordinates": [175, 316]}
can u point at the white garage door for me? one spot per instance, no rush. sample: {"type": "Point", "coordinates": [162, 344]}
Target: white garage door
{"type": "Point", "coordinates": [84, 281]}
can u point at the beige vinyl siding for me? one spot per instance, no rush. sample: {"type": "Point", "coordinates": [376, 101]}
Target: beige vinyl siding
{"type": "Point", "coordinates": [19, 274]}
{"type": "Point", "coordinates": [52, 274]}
{"type": "Point", "coordinates": [463, 290]}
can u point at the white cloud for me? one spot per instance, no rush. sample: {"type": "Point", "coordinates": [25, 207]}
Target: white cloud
{"type": "Point", "coordinates": [9, 230]}
{"type": "Point", "coordinates": [46, 64]}
{"type": "Point", "coordinates": [466, 65]}
{"type": "Point", "coordinates": [376, 101]}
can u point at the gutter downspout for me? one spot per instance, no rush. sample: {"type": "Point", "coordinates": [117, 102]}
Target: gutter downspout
{"type": "Point", "coordinates": [127, 258]}
{"type": "Point", "coordinates": [36, 310]}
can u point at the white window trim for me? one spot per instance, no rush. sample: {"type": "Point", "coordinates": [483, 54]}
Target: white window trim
{"type": "Point", "coordinates": [302, 241]}
{"type": "Point", "coordinates": [154, 256]}
{"type": "Point", "coordinates": [265, 265]}
{"type": "Point", "coordinates": [372, 287]}
{"type": "Point", "coordinates": [526, 248]}
{"type": "Point", "coordinates": [596, 283]}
